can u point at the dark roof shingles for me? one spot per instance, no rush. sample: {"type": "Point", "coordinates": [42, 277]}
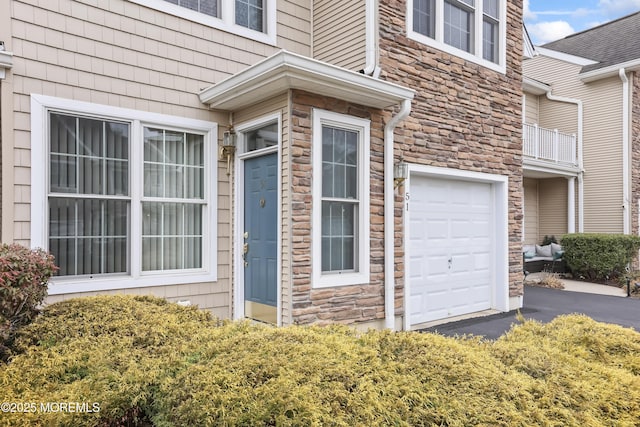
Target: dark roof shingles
{"type": "Point", "coordinates": [609, 44]}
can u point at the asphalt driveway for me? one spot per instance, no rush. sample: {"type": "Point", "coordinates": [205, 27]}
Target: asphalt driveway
{"type": "Point", "coordinates": [545, 304]}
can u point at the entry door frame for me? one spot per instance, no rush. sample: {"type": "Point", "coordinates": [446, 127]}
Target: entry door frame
{"type": "Point", "coordinates": [500, 189]}
{"type": "Point", "coordinates": [238, 217]}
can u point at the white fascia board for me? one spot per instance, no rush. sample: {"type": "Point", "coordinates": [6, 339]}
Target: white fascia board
{"type": "Point", "coordinates": [611, 71]}
{"type": "Point", "coordinates": [577, 60]}
{"type": "Point", "coordinates": [6, 59]}
{"type": "Point", "coordinates": [534, 86]}
{"type": "Point", "coordinates": [285, 70]}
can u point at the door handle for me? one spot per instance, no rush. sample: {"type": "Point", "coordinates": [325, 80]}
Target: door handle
{"type": "Point", "coordinates": [245, 249]}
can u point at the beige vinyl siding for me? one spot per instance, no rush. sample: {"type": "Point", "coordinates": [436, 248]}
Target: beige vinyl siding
{"type": "Point", "coordinates": [603, 158]}
{"type": "Point", "coordinates": [531, 107]}
{"type": "Point", "coordinates": [552, 207]}
{"type": "Point", "coordinates": [294, 26]}
{"type": "Point", "coordinates": [562, 116]}
{"type": "Point", "coordinates": [530, 211]}
{"type": "Point", "coordinates": [125, 55]}
{"type": "Point", "coordinates": [602, 138]}
{"type": "Point", "coordinates": [210, 296]}
{"type": "Point", "coordinates": [339, 33]}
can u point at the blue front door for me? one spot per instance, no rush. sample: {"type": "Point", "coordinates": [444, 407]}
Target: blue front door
{"type": "Point", "coordinates": [260, 247]}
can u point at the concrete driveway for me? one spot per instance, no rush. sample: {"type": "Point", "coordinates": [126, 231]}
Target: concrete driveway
{"type": "Point", "coordinates": [545, 304]}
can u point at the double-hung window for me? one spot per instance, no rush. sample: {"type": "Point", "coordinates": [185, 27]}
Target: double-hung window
{"type": "Point", "coordinates": [341, 199]}
{"type": "Point", "coordinates": [472, 29]}
{"type": "Point", "coordinates": [254, 19]}
{"type": "Point", "coordinates": [125, 195]}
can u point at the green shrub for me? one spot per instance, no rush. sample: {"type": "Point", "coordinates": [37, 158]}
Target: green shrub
{"type": "Point", "coordinates": [24, 274]}
{"type": "Point", "coordinates": [599, 256]}
{"type": "Point", "coordinates": [149, 362]}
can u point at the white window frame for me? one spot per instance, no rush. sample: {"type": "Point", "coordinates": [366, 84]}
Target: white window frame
{"type": "Point", "coordinates": [362, 126]}
{"type": "Point", "coordinates": [226, 21]}
{"type": "Point", "coordinates": [476, 57]}
{"type": "Point", "coordinates": [40, 107]}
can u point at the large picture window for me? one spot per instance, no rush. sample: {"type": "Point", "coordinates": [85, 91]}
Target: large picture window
{"type": "Point", "coordinates": [472, 29]}
{"type": "Point", "coordinates": [124, 197]}
{"type": "Point", "coordinates": [341, 201]}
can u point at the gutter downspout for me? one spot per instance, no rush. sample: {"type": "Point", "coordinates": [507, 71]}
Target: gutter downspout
{"type": "Point", "coordinates": [371, 67]}
{"type": "Point", "coordinates": [577, 102]}
{"type": "Point", "coordinates": [626, 194]}
{"type": "Point", "coordinates": [389, 217]}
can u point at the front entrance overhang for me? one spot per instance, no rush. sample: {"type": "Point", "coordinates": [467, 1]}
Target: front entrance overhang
{"type": "Point", "coordinates": [285, 70]}
{"type": "Point", "coordinates": [540, 169]}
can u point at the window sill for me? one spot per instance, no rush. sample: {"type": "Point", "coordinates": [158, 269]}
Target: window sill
{"type": "Point", "coordinates": [458, 52]}
{"type": "Point", "coordinates": [340, 279]}
{"type": "Point", "coordinates": [60, 286]}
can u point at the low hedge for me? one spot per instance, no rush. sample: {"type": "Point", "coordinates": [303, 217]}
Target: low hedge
{"type": "Point", "coordinates": [599, 257]}
{"type": "Point", "coordinates": [144, 361]}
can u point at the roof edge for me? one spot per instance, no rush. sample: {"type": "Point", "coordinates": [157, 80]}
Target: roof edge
{"type": "Point", "coordinates": [285, 70]}
{"type": "Point", "coordinates": [610, 71]}
{"type": "Point", "coordinates": [566, 57]}
{"type": "Point", "coordinates": [534, 86]}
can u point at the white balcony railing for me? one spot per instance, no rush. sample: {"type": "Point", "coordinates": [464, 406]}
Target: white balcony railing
{"type": "Point", "coordinates": [549, 145]}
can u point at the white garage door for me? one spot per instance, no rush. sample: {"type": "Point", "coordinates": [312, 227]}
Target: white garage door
{"type": "Point", "coordinates": [451, 248]}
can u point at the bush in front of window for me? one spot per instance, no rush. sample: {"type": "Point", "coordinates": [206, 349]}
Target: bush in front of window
{"type": "Point", "coordinates": [143, 361]}
{"type": "Point", "coordinates": [24, 275]}
{"type": "Point", "coordinates": [107, 355]}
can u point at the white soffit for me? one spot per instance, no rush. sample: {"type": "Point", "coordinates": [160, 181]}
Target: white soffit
{"type": "Point", "coordinates": [285, 70]}
{"type": "Point", "coordinates": [534, 86]}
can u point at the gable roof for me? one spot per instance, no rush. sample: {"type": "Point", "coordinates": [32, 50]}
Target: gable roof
{"type": "Point", "coordinates": [609, 44]}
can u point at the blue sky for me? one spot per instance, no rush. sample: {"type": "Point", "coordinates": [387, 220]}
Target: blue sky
{"type": "Point", "coordinates": [549, 20]}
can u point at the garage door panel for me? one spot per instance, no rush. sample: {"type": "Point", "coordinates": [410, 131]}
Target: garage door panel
{"type": "Point", "coordinates": [451, 246]}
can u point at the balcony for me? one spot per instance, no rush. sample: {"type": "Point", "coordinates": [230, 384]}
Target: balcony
{"type": "Point", "coordinates": [549, 145]}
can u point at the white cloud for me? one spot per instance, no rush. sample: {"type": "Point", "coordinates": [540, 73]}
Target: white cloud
{"type": "Point", "coordinates": [619, 6]}
{"type": "Point", "coordinates": [528, 15]}
{"type": "Point", "coordinates": [544, 32]}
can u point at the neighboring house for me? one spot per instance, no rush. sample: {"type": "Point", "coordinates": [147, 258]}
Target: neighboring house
{"type": "Point", "coordinates": [581, 127]}
{"type": "Point", "coordinates": [241, 155]}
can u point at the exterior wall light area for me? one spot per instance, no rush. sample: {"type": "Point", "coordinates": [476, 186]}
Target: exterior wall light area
{"type": "Point", "coordinates": [400, 173]}
{"type": "Point", "coordinates": [228, 148]}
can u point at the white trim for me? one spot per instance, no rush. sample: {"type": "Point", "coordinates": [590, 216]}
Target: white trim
{"type": "Point", "coordinates": [534, 87]}
{"type": "Point", "coordinates": [610, 71]}
{"type": "Point", "coordinates": [285, 70]}
{"type": "Point", "coordinates": [439, 43]}
{"type": "Point", "coordinates": [389, 217]}
{"type": "Point", "coordinates": [572, 59]}
{"type": "Point", "coordinates": [238, 217]}
{"type": "Point", "coordinates": [40, 106]}
{"type": "Point", "coordinates": [500, 186]}
{"type": "Point", "coordinates": [225, 23]}
{"type": "Point", "coordinates": [580, 106]}
{"type": "Point", "coordinates": [371, 39]}
{"type": "Point", "coordinates": [6, 62]}
{"type": "Point", "coordinates": [626, 154]}
{"type": "Point", "coordinates": [362, 126]}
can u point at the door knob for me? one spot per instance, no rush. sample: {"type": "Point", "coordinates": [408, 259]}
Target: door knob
{"type": "Point", "coordinates": [245, 248]}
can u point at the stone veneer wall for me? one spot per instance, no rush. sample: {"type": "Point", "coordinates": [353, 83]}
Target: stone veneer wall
{"type": "Point", "coordinates": [464, 115]}
{"type": "Point", "coordinates": [635, 154]}
{"type": "Point", "coordinates": [343, 304]}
